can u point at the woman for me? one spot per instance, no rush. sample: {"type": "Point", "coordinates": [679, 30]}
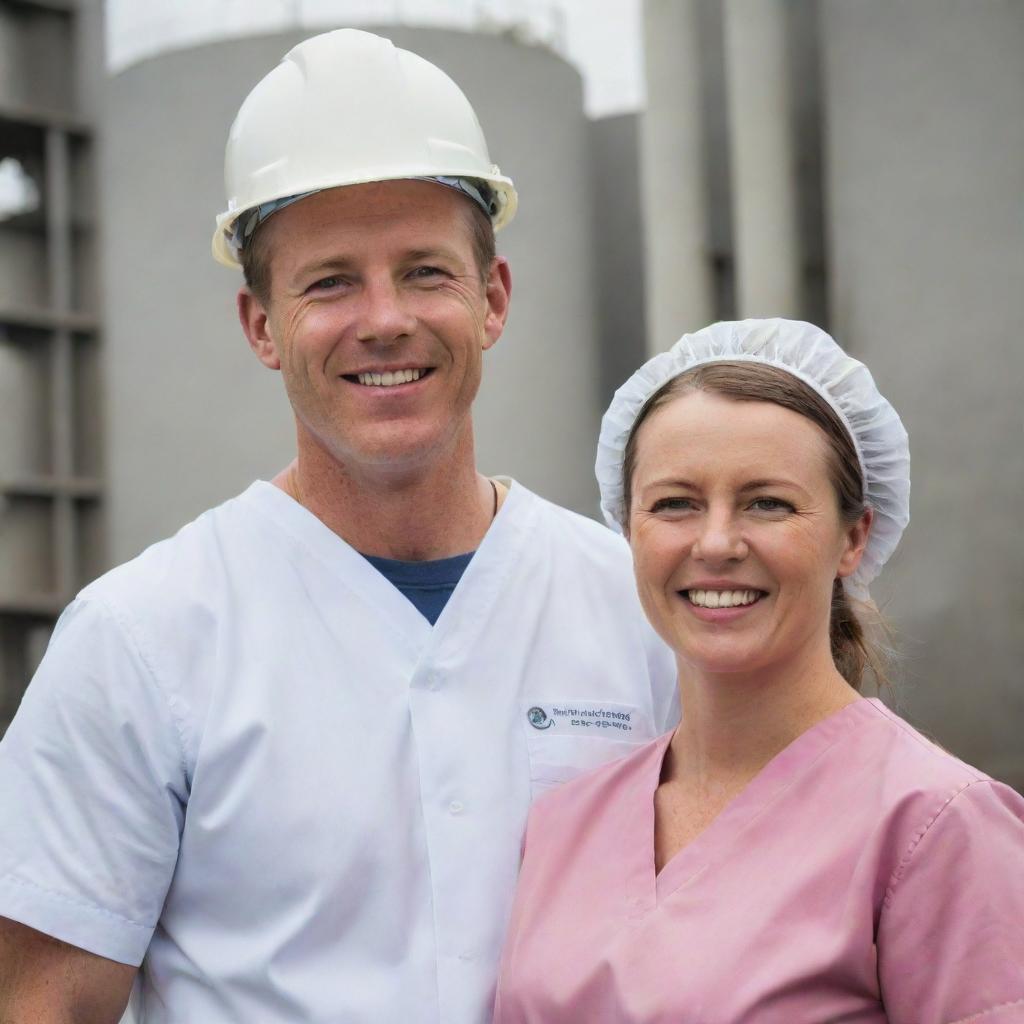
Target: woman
{"type": "Point", "coordinates": [793, 853]}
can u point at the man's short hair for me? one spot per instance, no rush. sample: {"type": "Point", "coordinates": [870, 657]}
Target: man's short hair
{"type": "Point", "coordinates": [255, 257]}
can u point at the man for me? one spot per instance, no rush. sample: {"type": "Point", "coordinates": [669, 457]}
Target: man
{"type": "Point", "coordinates": [283, 760]}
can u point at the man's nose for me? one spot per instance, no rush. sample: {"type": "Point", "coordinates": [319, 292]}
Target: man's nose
{"type": "Point", "coordinates": [720, 539]}
{"type": "Point", "coordinates": [383, 316]}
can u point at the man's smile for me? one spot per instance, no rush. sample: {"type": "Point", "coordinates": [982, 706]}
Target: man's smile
{"type": "Point", "coordinates": [388, 378]}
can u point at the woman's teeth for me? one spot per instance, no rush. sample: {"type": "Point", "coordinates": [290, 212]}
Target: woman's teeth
{"type": "Point", "coordinates": [722, 598]}
{"type": "Point", "coordinates": [390, 377]}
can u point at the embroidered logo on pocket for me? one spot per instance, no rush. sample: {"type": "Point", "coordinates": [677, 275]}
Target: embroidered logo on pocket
{"type": "Point", "coordinates": [588, 718]}
{"type": "Point", "coordinates": [538, 718]}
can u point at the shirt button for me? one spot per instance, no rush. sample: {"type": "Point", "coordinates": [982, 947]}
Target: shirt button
{"type": "Point", "coordinates": [456, 807]}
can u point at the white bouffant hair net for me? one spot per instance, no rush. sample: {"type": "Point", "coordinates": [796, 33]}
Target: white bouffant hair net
{"type": "Point", "coordinates": [810, 355]}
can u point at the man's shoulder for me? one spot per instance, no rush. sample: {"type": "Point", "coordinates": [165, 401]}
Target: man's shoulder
{"type": "Point", "coordinates": [191, 565]}
{"type": "Point", "coordinates": [578, 534]}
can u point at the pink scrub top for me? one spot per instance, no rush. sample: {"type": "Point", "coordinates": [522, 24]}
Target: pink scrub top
{"type": "Point", "coordinates": [863, 875]}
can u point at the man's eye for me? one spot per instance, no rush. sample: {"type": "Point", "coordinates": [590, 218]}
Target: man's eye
{"type": "Point", "coordinates": [425, 273]}
{"type": "Point", "coordinates": [325, 283]}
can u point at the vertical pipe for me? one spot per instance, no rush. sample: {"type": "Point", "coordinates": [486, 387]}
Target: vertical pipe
{"type": "Point", "coordinates": [765, 201]}
{"type": "Point", "coordinates": [59, 257]}
{"type": "Point", "coordinates": [679, 285]}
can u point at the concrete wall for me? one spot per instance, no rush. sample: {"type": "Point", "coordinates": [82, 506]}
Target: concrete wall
{"type": "Point", "coordinates": [925, 151]}
{"type": "Point", "coordinates": [193, 418]}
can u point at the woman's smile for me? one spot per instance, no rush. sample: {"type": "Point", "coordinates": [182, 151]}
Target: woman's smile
{"type": "Point", "coordinates": [722, 606]}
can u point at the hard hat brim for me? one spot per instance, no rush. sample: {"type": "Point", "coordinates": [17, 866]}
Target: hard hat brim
{"type": "Point", "coordinates": [504, 192]}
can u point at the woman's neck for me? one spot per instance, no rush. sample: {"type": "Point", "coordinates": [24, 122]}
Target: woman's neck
{"type": "Point", "coordinates": [734, 724]}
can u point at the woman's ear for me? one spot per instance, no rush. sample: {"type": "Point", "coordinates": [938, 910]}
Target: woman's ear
{"type": "Point", "coordinates": [856, 541]}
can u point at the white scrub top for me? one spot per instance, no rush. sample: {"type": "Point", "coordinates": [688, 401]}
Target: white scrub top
{"type": "Point", "coordinates": [250, 764]}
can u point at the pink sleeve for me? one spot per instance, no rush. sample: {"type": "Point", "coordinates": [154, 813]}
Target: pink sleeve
{"type": "Point", "coordinates": [951, 933]}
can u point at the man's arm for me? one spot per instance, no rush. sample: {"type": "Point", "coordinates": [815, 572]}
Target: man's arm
{"type": "Point", "coordinates": [46, 981]}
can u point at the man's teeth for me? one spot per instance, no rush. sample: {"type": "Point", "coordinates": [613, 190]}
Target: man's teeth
{"type": "Point", "coordinates": [722, 598]}
{"type": "Point", "coordinates": [390, 377]}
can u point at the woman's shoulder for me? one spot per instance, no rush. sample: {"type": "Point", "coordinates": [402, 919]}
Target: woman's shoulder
{"type": "Point", "coordinates": [918, 785]}
{"type": "Point", "coordinates": [905, 756]}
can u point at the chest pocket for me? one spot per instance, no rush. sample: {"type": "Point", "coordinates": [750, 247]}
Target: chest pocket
{"type": "Point", "coordinates": [565, 739]}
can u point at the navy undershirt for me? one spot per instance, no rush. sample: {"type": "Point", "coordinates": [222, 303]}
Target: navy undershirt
{"type": "Point", "coordinates": [427, 584]}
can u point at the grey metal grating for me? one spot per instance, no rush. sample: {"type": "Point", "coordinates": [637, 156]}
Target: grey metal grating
{"type": "Point", "coordinates": [46, 323]}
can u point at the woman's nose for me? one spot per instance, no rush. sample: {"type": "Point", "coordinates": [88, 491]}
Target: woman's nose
{"type": "Point", "coordinates": [719, 539]}
{"type": "Point", "coordinates": [383, 316]}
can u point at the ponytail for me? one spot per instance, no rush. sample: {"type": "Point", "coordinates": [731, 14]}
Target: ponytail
{"type": "Point", "coordinates": [854, 653]}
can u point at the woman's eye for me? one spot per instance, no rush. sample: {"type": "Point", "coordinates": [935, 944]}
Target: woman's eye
{"type": "Point", "coordinates": [672, 505]}
{"type": "Point", "coordinates": [771, 505]}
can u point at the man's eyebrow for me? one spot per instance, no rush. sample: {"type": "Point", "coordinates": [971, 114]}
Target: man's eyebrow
{"type": "Point", "coordinates": [319, 266]}
{"type": "Point", "coordinates": [343, 263]}
{"type": "Point", "coordinates": [437, 252]}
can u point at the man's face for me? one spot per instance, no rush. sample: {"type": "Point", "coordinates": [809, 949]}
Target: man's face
{"type": "Point", "coordinates": [377, 317]}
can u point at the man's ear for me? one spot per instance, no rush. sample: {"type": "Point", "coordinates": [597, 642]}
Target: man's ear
{"type": "Point", "coordinates": [498, 290]}
{"type": "Point", "coordinates": [252, 315]}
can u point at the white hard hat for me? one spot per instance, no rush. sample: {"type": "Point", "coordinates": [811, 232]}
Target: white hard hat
{"type": "Point", "coordinates": [348, 107]}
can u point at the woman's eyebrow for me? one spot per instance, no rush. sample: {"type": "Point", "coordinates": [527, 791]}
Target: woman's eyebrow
{"type": "Point", "coordinates": [756, 485]}
{"type": "Point", "coordinates": [671, 481]}
{"type": "Point", "coordinates": [770, 483]}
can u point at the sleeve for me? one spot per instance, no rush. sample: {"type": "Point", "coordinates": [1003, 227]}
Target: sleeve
{"type": "Point", "coordinates": [92, 791]}
{"type": "Point", "coordinates": [951, 931]}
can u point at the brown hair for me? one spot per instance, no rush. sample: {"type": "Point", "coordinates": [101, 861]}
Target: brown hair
{"type": "Point", "coordinates": [255, 257]}
{"type": "Point", "coordinates": [853, 651]}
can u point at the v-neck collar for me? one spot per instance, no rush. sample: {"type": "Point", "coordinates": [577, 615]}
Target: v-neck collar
{"type": "Point", "coordinates": [755, 799]}
{"type": "Point", "coordinates": [484, 576]}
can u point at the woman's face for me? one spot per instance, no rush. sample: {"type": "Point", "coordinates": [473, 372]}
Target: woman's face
{"type": "Point", "coordinates": [736, 532]}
